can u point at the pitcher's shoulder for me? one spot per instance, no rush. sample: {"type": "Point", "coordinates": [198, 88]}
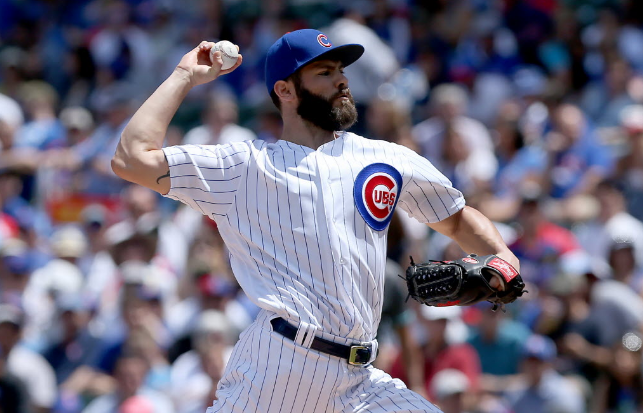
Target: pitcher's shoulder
{"type": "Point", "coordinates": [361, 141]}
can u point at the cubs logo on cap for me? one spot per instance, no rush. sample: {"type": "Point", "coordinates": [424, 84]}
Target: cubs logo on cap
{"type": "Point", "coordinates": [323, 40]}
{"type": "Point", "coordinates": [376, 191]}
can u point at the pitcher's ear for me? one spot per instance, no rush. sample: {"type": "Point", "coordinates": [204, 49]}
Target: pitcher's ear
{"type": "Point", "coordinates": [285, 91]}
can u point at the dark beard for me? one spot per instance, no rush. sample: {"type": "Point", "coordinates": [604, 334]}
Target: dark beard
{"type": "Point", "coordinates": [319, 111]}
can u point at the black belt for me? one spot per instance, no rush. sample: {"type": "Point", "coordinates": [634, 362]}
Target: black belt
{"type": "Point", "coordinates": [357, 355]}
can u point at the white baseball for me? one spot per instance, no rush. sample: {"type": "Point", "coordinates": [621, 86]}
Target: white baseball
{"type": "Point", "coordinates": [229, 53]}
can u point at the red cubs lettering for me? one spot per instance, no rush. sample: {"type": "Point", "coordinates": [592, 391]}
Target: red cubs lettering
{"type": "Point", "coordinates": [383, 197]}
{"type": "Point", "coordinates": [378, 196]}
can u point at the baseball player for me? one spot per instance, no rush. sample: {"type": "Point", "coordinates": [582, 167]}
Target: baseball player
{"type": "Point", "coordinates": [305, 220]}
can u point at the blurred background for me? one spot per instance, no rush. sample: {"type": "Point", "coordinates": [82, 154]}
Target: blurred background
{"type": "Point", "coordinates": [114, 299]}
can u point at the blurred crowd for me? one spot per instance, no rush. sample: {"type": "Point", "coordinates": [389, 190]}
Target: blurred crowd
{"type": "Point", "coordinates": [114, 299]}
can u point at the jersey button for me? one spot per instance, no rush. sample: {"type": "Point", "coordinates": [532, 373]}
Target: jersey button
{"type": "Point", "coordinates": [342, 261]}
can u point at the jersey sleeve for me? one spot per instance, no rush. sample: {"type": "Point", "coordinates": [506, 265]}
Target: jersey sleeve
{"type": "Point", "coordinates": [427, 195]}
{"type": "Point", "coordinates": [206, 177]}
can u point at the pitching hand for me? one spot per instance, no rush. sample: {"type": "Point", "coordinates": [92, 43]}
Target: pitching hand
{"type": "Point", "coordinates": [200, 68]}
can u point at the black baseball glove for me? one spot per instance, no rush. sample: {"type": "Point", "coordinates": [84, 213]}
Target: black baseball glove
{"type": "Point", "coordinates": [464, 281]}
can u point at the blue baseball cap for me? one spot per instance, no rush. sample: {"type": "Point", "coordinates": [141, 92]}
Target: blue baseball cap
{"type": "Point", "coordinates": [296, 49]}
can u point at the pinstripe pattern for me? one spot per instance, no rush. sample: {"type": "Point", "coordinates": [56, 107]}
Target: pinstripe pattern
{"type": "Point", "coordinates": [280, 376]}
{"type": "Point", "coordinates": [287, 214]}
{"type": "Point", "coordinates": [300, 249]}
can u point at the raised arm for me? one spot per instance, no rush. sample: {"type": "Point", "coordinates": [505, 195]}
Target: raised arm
{"type": "Point", "coordinates": [139, 158]}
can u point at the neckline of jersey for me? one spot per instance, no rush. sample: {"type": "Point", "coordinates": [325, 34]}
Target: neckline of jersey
{"type": "Point", "coordinates": [338, 136]}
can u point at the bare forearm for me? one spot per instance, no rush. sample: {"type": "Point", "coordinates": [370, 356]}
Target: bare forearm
{"type": "Point", "coordinates": [147, 128]}
{"type": "Point", "coordinates": [476, 234]}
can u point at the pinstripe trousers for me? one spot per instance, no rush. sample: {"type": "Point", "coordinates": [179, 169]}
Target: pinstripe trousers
{"type": "Point", "coordinates": [268, 373]}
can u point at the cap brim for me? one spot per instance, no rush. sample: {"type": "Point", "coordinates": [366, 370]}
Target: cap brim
{"type": "Point", "coordinates": [347, 54]}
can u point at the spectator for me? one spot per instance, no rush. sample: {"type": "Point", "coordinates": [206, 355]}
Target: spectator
{"type": "Point", "coordinates": [377, 64]}
{"type": "Point", "coordinates": [59, 276]}
{"type": "Point", "coordinates": [73, 346]}
{"type": "Point", "coordinates": [629, 167]}
{"type": "Point", "coordinates": [623, 389]}
{"type": "Point", "coordinates": [141, 342]}
{"type": "Point", "coordinates": [520, 165]}
{"type": "Point", "coordinates": [28, 366]}
{"type": "Point", "coordinates": [622, 260]}
{"type": "Point", "coordinates": [450, 387]}
{"type": "Point", "coordinates": [113, 104]}
{"type": "Point", "coordinates": [131, 393]}
{"type": "Point", "coordinates": [121, 50]}
{"type": "Point", "coordinates": [220, 126]}
{"type": "Point", "coordinates": [604, 100]}
{"type": "Point", "coordinates": [212, 293]}
{"type": "Point", "coordinates": [97, 265]}
{"type": "Point", "coordinates": [387, 120]}
{"type": "Point", "coordinates": [196, 373]}
{"type": "Point", "coordinates": [541, 388]}
{"type": "Point", "coordinates": [455, 143]}
{"type": "Point", "coordinates": [14, 271]}
{"type": "Point", "coordinates": [499, 341]}
{"type": "Point", "coordinates": [618, 307]}
{"type": "Point", "coordinates": [577, 160]}
{"type": "Point", "coordinates": [143, 218]}
{"type": "Point", "coordinates": [24, 150]}
{"type": "Point", "coordinates": [60, 171]}
{"type": "Point", "coordinates": [540, 243]}
{"type": "Point", "coordinates": [443, 347]}
{"type": "Point", "coordinates": [613, 224]}
{"type": "Point", "coordinates": [42, 130]}
{"type": "Point", "coordinates": [14, 398]}
{"type": "Point", "coordinates": [11, 119]}
{"type": "Point", "coordinates": [138, 305]}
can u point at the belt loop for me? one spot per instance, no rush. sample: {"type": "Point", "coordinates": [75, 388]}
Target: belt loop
{"type": "Point", "coordinates": [305, 334]}
{"type": "Point", "coordinates": [374, 348]}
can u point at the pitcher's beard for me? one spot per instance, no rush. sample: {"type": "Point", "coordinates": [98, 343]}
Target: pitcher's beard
{"type": "Point", "coordinates": [320, 111]}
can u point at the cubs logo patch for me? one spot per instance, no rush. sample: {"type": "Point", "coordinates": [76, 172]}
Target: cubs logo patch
{"type": "Point", "coordinates": [376, 191]}
{"type": "Point", "coordinates": [323, 40]}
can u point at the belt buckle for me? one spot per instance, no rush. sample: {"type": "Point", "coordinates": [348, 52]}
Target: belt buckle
{"type": "Point", "coordinates": [360, 355]}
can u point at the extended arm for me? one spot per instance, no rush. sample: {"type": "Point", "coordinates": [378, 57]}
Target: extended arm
{"type": "Point", "coordinates": [475, 234]}
{"type": "Point", "coordinates": [138, 157]}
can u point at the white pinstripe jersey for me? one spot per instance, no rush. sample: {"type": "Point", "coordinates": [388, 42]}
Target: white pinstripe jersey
{"type": "Point", "coordinates": [306, 229]}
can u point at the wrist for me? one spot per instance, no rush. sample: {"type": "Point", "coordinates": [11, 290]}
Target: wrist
{"type": "Point", "coordinates": [183, 76]}
{"type": "Point", "coordinates": [509, 257]}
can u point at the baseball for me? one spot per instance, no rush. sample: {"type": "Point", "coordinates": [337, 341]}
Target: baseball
{"type": "Point", "coordinates": [229, 53]}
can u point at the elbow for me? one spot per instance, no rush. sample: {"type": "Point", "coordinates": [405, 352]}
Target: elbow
{"type": "Point", "coordinates": [120, 167]}
{"type": "Point", "coordinates": [121, 163]}
{"type": "Point", "coordinates": [117, 166]}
